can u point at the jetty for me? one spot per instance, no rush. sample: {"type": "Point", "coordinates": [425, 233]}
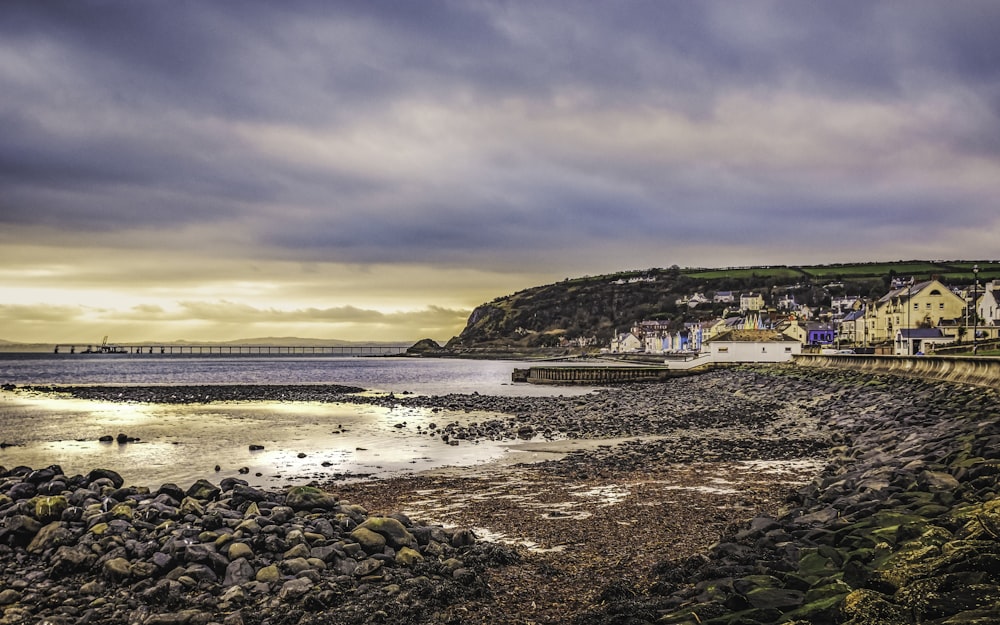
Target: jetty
{"type": "Point", "coordinates": [243, 349]}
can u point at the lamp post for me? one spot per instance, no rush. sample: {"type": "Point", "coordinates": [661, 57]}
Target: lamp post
{"type": "Point", "coordinates": [975, 310]}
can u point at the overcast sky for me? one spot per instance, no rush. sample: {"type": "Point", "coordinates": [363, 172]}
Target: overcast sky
{"type": "Point", "coordinates": [373, 170]}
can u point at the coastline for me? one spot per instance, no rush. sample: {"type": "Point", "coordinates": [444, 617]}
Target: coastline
{"type": "Point", "coordinates": [705, 466]}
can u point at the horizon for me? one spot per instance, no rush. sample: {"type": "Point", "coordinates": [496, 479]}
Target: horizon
{"type": "Point", "coordinates": [213, 171]}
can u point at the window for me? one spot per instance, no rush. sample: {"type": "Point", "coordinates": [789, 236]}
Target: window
{"type": "Point", "coordinates": [916, 306]}
{"type": "Point", "coordinates": [788, 350]}
{"type": "Point", "coordinates": [941, 306]}
{"type": "Point", "coordinates": [928, 306]}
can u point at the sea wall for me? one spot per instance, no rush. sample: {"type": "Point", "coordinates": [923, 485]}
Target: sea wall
{"type": "Point", "coordinates": [957, 369]}
{"type": "Point", "coordinates": [597, 375]}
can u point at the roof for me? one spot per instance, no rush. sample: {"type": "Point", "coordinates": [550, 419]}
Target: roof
{"type": "Point", "coordinates": [854, 315]}
{"type": "Point", "coordinates": [906, 292]}
{"type": "Point", "coordinates": [922, 333]}
{"type": "Point", "coordinates": [751, 336]}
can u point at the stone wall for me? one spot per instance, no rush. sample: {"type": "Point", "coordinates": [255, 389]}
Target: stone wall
{"type": "Point", "coordinates": [958, 369]}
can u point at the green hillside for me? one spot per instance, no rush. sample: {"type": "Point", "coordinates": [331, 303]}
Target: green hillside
{"type": "Point", "coordinates": [597, 306]}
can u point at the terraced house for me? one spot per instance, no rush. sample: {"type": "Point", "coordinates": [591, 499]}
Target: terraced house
{"type": "Point", "coordinates": [927, 304]}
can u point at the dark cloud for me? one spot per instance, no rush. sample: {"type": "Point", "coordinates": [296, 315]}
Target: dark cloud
{"type": "Point", "coordinates": [459, 133]}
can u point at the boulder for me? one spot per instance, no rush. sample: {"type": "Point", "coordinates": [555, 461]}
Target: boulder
{"type": "Point", "coordinates": [53, 535]}
{"type": "Point", "coordinates": [240, 550]}
{"type": "Point", "coordinates": [370, 541]}
{"type": "Point", "coordinates": [295, 588]}
{"type": "Point", "coordinates": [204, 490]}
{"type": "Point", "coordinates": [50, 508]}
{"type": "Point", "coordinates": [238, 572]}
{"type": "Point", "coordinates": [96, 474]}
{"type": "Point", "coordinates": [117, 569]}
{"type": "Point", "coordinates": [395, 533]}
{"type": "Point", "coordinates": [309, 497]}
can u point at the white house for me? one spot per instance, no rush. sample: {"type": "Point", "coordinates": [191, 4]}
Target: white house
{"type": "Point", "coordinates": [988, 304]}
{"type": "Point", "coordinates": [752, 346]}
{"type": "Point", "coordinates": [626, 343]}
{"type": "Point", "coordinates": [786, 302]}
{"type": "Point", "coordinates": [697, 299]}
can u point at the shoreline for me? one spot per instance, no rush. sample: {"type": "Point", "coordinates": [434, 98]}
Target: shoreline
{"type": "Point", "coordinates": [649, 529]}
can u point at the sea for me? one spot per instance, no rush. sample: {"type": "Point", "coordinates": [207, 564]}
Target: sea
{"type": "Point", "coordinates": [303, 442]}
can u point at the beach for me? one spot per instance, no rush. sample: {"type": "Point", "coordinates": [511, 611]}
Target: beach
{"type": "Point", "coordinates": [599, 504]}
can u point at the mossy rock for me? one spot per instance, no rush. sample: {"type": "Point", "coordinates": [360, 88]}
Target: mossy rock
{"type": "Point", "coordinates": [370, 541]}
{"type": "Point", "coordinates": [122, 511]}
{"type": "Point", "coordinates": [913, 561]}
{"type": "Point", "coordinates": [869, 607]}
{"type": "Point", "coordinates": [814, 565]}
{"type": "Point", "coordinates": [309, 497]}
{"type": "Point", "coordinates": [50, 508]}
{"type": "Point", "coordinates": [408, 557]}
{"type": "Point", "coordinates": [395, 533]}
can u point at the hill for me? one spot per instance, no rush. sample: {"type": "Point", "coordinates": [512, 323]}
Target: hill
{"type": "Point", "coordinates": [596, 306]}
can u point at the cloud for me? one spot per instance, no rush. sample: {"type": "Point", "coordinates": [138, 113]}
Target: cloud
{"type": "Point", "coordinates": [206, 149]}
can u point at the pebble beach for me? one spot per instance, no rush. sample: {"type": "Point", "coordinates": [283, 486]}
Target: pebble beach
{"type": "Point", "coordinates": [749, 495]}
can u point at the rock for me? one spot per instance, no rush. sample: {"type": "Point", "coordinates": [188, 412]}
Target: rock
{"type": "Point", "coordinates": [173, 491]}
{"type": "Point", "coordinates": [395, 534]}
{"type": "Point", "coordinates": [51, 536]}
{"type": "Point", "coordinates": [22, 526]}
{"type": "Point", "coordinates": [370, 541]}
{"type": "Point", "coordinates": [117, 569]}
{"type": "Point", "coordinates": [408, 557]}
{"type": "Point", "coordinates": [238, 572]}
{"type": "Point", "coordinates": [204, 490]}
{"type": "Point", "coordinates": [268, 574]}
{"type": "Point", "coordinates": [97, 474]}
{"type": "Point", "coordinates": [309, 497]}
{"type": "Point", "coordinates": [9, 596]}
{"type": "Point", "coordinates": [295, 588]}
{"type": "Point", "coordinates": [294, 566]}
{"type": "Point", "coordinates": [50, 508]}
{"type": "Point", "coordinates": [22, 490]}
{"type": "Point", "coordinates": [368, 567]}
{"type": "Point", "coordinates": [71, 559]}
{"type": "Point", "coordinates": [240, 550]}
{"type": "Point", "coordinates": [463, 538]}
{"type": "Point", "coordinates": [298, 551]}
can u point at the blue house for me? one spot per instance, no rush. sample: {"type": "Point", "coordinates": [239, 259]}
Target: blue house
{"type": "Point", "coordinates": [820, 334]}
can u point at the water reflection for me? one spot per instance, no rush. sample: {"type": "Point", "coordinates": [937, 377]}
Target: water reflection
{"type": "Point", "coordinates": [181, 443]}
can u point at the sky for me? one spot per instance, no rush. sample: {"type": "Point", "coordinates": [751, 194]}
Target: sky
{"type": "Point", "coordinates": [215, 170]}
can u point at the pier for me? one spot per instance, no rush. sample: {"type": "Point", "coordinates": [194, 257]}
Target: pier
{"type": "Point", "coordinates": [217, 349]}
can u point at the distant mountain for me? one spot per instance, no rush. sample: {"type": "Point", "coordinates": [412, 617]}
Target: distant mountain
{"type": "Point", "coordinates": [598, 306]}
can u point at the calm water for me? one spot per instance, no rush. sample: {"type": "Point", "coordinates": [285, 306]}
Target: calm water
{"type": "Point", "coordinates": [183, 443]}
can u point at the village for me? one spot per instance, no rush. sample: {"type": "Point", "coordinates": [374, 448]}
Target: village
{"type": "Point", "coordinates": [911, 319]}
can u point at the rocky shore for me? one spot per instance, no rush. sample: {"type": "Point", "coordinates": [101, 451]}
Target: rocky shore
{"type": "Point", "coordinates": [713, 518]}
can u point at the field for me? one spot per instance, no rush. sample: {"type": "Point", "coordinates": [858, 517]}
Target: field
{"type": "Point", "coordinates": [954, 272]}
